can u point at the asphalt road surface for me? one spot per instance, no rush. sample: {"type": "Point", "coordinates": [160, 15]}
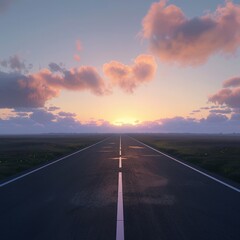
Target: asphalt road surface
{"type": "Point", "coordinates": [118, 189]}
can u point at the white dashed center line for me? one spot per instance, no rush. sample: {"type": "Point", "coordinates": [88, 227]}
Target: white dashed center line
{"type": "Point", "coordinates": [120, 162]}
{"type": "Point", "coordinates": [120, 219]}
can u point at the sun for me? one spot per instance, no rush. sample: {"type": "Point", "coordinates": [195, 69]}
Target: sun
{"type": "Point", "coordinates": [125, 121]}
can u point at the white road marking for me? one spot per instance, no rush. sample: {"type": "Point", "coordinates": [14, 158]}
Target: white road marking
{"type": "Point", "coordinates": [194, 169]}
{"type": "Point", "coordinates": [120, 162]}
{"type": "Point", "coordinates": [49, 164]}
{"type": "Point", "coordinates": [120, 217]}
{"type": "Point", "coordinates": [120, 146]}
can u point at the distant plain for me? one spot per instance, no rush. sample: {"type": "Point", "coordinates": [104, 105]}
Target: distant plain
{"type": "Point", "coordinates": [219, 154]}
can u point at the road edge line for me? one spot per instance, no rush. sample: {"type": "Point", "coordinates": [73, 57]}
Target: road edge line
{"type": "Point", "coordinates": [186, 165]}
{"type": "Point", "coordinates": [48, 164]}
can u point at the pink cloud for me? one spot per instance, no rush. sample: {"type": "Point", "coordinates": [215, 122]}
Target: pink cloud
{"type": "Point", "coordinates": [82, 78]}
{"type": "Point", "coordinates": [76, 57]}
{"type": "Point", "coordinates": [34, 90]}
{"type": "Point", "coordinates": [232, 82]}
{"type": "Point", "coordinates": [78, 45]}
{"type": "Point", "coordinates": [128, 77]}
{"type": "Point", "coordinates": [175, 38]}
{"type": "Point", "coordinates": [230, 97]}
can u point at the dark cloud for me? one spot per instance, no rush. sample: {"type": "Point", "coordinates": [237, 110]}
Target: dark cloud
{"type": "Point", "coordinates": [221, 111]}
{"type": "Point", "coordinates": [34, 90]}
{"type": "Point", "coordinates": [42, 121]}
{"type": "Point", "coordinates": [41, 116]}
{"type": "Point", "coordinates": [215, 118]}
{"type": "Point", "coordinates": [235, 117]}
{"type": "Point", "coordinates": [66, 114]}
{"type": "Point", "coordinates": [14, 63]}
{"type": "Point", "coordinates": [175, 38]}
{"type": "Point", "coordinates": [54, 67]}
{"type": "Point", "coordinates": [84, 78]}
{"type": "Point", "coordinates": [229, 95]}
{"type": "Point", "coordinates": [53, 108]}
{"type": "Point", "coordinates": [17, 90]}
{"type": "Point", "coordinates": [232, 82]}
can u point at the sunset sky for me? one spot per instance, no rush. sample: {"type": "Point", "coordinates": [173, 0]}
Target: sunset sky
{"type": "Point", "coordinates": [112, 66]}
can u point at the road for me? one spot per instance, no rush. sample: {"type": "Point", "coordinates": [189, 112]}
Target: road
{"type": "Point", "coordinates": [118, 190]}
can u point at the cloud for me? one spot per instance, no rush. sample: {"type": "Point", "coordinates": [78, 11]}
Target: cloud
{"type": "Point", "coordinates": [15, 63]}
{"type": "Point", "coordinates": [196, 111]}
{"type": "Point", "coordinates": [215, 118]}
{"type": "Point", "coordinates": [17, 90]}
{"type": "Point", "coordinates": [128, 77]}
{"type": "Point", "coordinates": [76, 57]}
{"type": "Point", "coordinates": [232, 82]}
{"type": "Point", "coordinates": [175, 38]}
{"type": "Point", "coordinates": [66, 114]}
{"type": "Point", "coordinates": [53, 108]}
{"type": "Point", "coordinates": [34, 90]}
{"type": "Point", "coordinates": [82, 78]}
{"type": "Point", "coordinates": [54, 67]}
{"type": "Point", "coordinates": [235, 117]}
{"type": "Point", "coordinates": [78, 45]}
{"type": "Point", "coordinates": [20, 89]}
{"type": "Point", "coordinates": [79, 48]}
{"type": "Point", "coordinates": [41, 116]}
{"type": "Point", "coordinates": [229, 95]}
{"type": "Point", "coordinates": [221, 111]}
{"type": "Point", "coordinates": [42, 121]}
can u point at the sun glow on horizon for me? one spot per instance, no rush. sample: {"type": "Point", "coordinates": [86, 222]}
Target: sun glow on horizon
{"type": "Point", "coordinates": [125, 121]}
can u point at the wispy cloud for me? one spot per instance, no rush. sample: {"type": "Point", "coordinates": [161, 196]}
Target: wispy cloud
{"type": "Point", "coordinates": [14, 63]}
{"type": "Point", "coordinates": [78, 45]}
{"type": "Point", "coordinates": [79, 48]}
{"type": "Point", "coordinates": [76, 57]}
{"type": "Point", "coordinates": [175, 38]}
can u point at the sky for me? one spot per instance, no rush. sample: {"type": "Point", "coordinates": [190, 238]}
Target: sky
{"type": "Point", "coordinates": [119, 66]}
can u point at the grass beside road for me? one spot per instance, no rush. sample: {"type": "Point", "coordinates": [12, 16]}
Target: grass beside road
{"type": "Point", "coordinates": [19, 153]}
{"type": "Point", "coordinates": [219, 154]}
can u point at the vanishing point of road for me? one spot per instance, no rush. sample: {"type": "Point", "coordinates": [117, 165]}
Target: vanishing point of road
{"type": "Point", "coordinates": [118, 189]}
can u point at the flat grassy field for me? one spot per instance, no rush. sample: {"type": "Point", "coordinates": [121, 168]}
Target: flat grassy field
{"type": "Point", "coordinates": [219, 154]}
{"type": "Point", "coordinates": [22, 152]}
